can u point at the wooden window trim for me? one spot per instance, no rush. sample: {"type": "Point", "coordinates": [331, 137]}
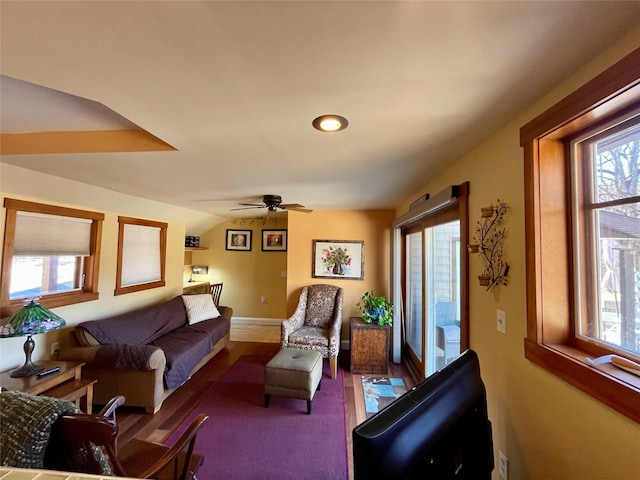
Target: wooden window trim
{"type": "Point", "coordinates": [89, 290]}
{"type": "Point", "coordinates": [550, 341]}
{"type": "Point", "coordinates": [122, 221]}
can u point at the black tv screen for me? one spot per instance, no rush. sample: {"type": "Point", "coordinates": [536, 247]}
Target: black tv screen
{"type": "Point", "coordinates": [438, 430]}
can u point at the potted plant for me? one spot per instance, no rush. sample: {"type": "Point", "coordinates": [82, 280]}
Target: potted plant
{"type": "Point", "coordinates": [375, 308]}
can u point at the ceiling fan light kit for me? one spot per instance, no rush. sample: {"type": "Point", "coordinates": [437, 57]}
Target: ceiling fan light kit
{"type": "Point", "coordinates": [330, 123]}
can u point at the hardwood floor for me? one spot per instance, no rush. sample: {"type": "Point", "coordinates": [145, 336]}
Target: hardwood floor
{"type": "Point", "coordinates": [134, 423]}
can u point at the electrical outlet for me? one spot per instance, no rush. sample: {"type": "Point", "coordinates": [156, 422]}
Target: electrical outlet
{"type": "Point", "coordinates": [503, 465]}
{"type": "Point", "coordinates": [502, 322]}
{"type": "Point", "coordinates": [55, 348]}
{"type": "Point", "coordinates": [262, 299]}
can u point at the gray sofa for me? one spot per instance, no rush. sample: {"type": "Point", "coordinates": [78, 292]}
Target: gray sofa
{"type": "Point", "coordinates": [147, 354]}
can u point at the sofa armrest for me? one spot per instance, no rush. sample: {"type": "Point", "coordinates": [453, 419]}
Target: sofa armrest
{"type": "Point", "coordinates": [79, 354]}
{"type": "Point", "coordinates": [225, 312]}
{"type": "Point", "coordinates": [156, 361]}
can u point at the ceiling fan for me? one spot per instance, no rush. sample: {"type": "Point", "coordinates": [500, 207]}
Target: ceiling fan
{"type": "Point", "coordinates": [272, 203]}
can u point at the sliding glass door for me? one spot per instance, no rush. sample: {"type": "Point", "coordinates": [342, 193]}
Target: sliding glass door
{"type": "Point", "coordinates": [414, 347]}
{"type": "Point", "coordinates": [434, 286]}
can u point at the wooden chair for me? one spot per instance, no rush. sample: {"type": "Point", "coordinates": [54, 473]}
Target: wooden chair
{"type": "Point", "coordinates": [137, 459]}
{"type": "Point", "coordinates": [141, 459]}
{"type": "Point", "coordinates": [216, 290]}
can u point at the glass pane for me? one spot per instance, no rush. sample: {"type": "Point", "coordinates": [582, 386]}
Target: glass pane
{"type": "Point", "coordinates": [617, 232]}
{"type": "Point", "coordinates": [618, 322]}
{"type": "Point", "coordinates": [37, 276]}
{"type": "Point", "coordinates": [617, 171]}
{"type": "Point", "coordinates": [443, 295]}
{"type": "Point", "coordinates": [414, 293]}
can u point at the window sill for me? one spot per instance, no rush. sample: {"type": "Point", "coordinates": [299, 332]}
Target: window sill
{"type": "Point", "coordinates": [51, 301]}
{"type": "Point", "coordinates": [615, 387]}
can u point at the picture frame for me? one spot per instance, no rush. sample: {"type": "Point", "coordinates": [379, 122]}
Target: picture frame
{"type": "Point", "coordinates": [274, 240]}
{"type": "Point", "coordinates": [343, 259]}
{"type": "Point", "coordinates": [239, 240]}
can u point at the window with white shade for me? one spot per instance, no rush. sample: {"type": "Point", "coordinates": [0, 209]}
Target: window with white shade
{"type": "Point", "coordinates": [141, 255]}
{"type": "Point", "coordinates": [49, 252]}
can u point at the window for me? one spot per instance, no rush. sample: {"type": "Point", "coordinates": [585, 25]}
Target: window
{"type": "Point", "coordinates": [142, 246]}
{"type": "Point", "coordinates": [580, 228]}
{"type": "Point", "coordinates": [49, 252]}
{"type": "Point", "coordinates": [606, 232]}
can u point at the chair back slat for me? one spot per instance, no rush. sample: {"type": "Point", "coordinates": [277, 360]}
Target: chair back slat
{"type": "Point", "coordinates": [216, 291]}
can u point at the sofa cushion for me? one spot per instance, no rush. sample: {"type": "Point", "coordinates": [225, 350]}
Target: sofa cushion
{"type": "Point", "coordinates": [138, 327]}
{"type": "Point", "coordinates": [199, 308]}
{"type": "Point", "coordinates": [183, 348]}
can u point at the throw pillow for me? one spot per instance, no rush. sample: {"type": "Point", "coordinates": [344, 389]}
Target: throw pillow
{"type": "Point", "coordinates": [199, 308]}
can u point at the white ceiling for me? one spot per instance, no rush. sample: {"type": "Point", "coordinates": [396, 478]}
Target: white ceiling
{"type": "Point", "coordinates": [234, 86]}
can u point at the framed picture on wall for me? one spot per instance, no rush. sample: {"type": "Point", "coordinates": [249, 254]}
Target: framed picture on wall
{"type": "Point", "coordinates": [239, 240]}
{"type": "Point", "coordinates": [274, 240]}
{"type": "Point", "coordinates": [338, 259]}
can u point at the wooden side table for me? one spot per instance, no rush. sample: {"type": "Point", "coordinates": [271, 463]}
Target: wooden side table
{"type": "Point", "coordinates": [65, 384]}
{"type": "Point", "coordinates": [369, 347]}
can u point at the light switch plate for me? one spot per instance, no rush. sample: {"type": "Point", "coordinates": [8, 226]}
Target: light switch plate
{"type": "Point", "coordinates": [502, 322]}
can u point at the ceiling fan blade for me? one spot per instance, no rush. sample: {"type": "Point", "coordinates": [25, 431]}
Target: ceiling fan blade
{"type": "Point", "coordinates": [252, 204]}
{"type": "Point", "coordinates": [247, 208]}
{"type": "Point", "coordinates": [291, 205]}
{"type": "Point", "coordinates": [296, 207]}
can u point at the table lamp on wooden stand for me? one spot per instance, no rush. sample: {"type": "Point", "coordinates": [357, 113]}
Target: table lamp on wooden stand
{"type": "Point", "coordinates": [30, 320]}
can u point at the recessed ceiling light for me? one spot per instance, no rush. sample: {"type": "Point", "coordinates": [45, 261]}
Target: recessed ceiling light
{"type": "Point", "coordinates": [330, 123]}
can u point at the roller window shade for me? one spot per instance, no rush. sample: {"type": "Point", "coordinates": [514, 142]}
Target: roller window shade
{"type": "Point", "coordinates": [140, 255]}
{"type": "Point", "coordinates": [45, 235]}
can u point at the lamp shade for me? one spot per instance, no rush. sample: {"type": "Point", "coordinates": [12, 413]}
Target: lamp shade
{"type": "Point", "coordinates": [31, 319]}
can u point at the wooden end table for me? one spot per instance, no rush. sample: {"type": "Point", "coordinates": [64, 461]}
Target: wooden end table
{"type": "Point", "coordinates": [369, 347]}
{"type": "Point", "coordinates": [65, 384]}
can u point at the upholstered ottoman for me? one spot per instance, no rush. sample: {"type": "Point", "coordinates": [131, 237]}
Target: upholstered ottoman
{"type": "Point", "coordinates": [294, 374]}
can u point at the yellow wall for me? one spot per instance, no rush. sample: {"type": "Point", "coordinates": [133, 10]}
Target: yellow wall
{"type": "Point", "coordinates": [372, 226]}
{"type": "Point", "coordinates": [546, 428]}
{"type": "Point", "coordinates": [23, 184]}
{"type": "Point", "coordinates": [278, 277]}
{"type": "Point", "coordinates": [247, 276]}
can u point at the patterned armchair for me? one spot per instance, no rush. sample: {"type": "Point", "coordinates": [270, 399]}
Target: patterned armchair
{"type": "Point", "coordinates": [316, 323]}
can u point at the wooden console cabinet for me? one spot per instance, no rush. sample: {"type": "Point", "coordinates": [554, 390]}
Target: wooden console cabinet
{"type": "Point", "coordinates": [369, 347]}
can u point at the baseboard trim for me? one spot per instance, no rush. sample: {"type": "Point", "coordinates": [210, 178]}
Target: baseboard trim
{"type": "Point", "coordinates": [256, 321]}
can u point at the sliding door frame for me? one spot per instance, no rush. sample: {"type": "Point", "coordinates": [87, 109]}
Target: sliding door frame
{"type": "Point", "coordinates": [449, 205]}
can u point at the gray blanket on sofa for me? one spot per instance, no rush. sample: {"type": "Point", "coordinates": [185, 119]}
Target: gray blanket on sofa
{"type": "Point", "coordinates": [124, 357]}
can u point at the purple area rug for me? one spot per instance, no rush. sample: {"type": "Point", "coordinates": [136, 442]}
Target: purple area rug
{"type": "Point", "coordinates": [244, 440]}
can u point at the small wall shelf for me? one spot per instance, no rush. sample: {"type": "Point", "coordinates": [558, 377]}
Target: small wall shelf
{"type": "Point", "coordinates": [188, 254]}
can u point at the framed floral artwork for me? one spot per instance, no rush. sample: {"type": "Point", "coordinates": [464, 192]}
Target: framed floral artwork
{"type": "Point", "coordinates": [338, 259]}
{"type": "Point", "coordinates": [239, 240]}
{"type": "Point", "coordinates": [274, 240]}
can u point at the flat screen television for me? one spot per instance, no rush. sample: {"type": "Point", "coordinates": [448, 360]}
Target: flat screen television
{"type": "Point", "coordinates": [437, 430]}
